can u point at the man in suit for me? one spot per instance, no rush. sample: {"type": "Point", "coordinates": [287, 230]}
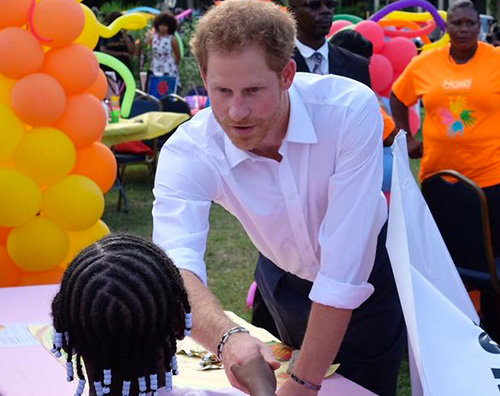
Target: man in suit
{"type": "Point", "coordinates": [313, 53]}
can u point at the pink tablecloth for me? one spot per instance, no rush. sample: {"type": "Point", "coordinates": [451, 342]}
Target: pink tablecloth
{"type": "Point", "coordinates": [31, 370]}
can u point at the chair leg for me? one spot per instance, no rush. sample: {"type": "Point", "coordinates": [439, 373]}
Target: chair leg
{"type": "Point", "coordinates": [122, 193]}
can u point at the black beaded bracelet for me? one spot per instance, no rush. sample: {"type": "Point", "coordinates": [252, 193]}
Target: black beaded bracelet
{"type": "Point", "coordinates": [304, 383]}
{"type": "Point", "coordinates": [226, 336]}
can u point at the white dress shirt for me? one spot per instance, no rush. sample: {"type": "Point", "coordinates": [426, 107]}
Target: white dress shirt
{"type": "Point", "coordinates": [316, 214]}
{"type": "Point", "coordinates": [307, 52]}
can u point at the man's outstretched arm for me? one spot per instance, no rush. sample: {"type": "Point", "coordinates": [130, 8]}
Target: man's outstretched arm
{"type": "Point", "coordinates": [210, 323]}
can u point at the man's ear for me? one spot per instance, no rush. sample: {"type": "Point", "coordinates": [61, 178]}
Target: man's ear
{"type": "Point", "coordinates": [288, 74]}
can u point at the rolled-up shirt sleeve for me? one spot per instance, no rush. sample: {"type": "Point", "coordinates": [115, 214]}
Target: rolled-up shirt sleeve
{"type": "Point", "coordinates": [185, 185]}
{"type": "Point", "coordinates": [355, 213]}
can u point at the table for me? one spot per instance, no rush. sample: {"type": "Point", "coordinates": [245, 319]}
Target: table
{"type": "Point", "coordinates": [32, 370]}
{"type": "Point", "coordinates": [142, 127]}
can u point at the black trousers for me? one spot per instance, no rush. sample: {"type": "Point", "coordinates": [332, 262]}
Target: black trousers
{"type": "Point", "coordinates": [372, 348]}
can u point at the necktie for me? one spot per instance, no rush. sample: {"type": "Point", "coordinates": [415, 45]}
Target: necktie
{"type": "Point", "coordinates": [317, 58]}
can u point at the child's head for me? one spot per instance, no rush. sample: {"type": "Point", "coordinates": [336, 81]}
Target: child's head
{"type": "Point", "coordinates": [165, 23]}
{"type": "Point", "coordinates": [121, 307]}
{"type": "Point", "coordinates": [353, 41]}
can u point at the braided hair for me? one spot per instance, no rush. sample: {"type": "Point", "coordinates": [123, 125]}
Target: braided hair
{"type": "Point", "coordinates": [122, 305]}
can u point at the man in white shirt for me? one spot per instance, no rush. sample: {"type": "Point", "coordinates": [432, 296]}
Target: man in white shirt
{"type": "Point", "coordinates": [298, 160]}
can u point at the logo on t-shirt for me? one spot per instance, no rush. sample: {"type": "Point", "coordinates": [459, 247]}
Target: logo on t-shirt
{"type": "Point", "coordinates": [457, 84]}
{"type": "Point", "coordinates": [457, 117]}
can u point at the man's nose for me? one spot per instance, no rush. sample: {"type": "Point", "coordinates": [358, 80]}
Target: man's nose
{"type": "Point", "coordinates": [238, 109]}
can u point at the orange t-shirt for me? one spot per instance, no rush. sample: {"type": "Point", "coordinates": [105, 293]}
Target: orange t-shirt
{"type": "Point", "coordinates": [389, 124]}
{"type": "Point", "coordinates": [461, 129]}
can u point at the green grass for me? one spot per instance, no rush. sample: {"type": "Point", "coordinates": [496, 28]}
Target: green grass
{"type": "Point", "coordinates": [230, 256]}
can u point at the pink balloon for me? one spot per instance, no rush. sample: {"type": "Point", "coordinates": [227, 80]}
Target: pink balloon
{"type": "Point", "coordinates": [380, 73]}
{"type": "Point", "coordinates": [373, 32]}
{"type": "Point", "coordinates": [399, 51]}
{"type": "Point", "coordinates": [336, 26]}
{"type": "Point", "coordinates": [414, 120]}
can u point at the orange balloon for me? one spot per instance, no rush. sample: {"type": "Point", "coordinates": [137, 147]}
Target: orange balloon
{"type": "Point", "coordinates": [10, 273]}
{"type": "Point", "coordinates": [4, 234]}
{"type": "Point", "coordinates": [98, 163]}
{"type": "Point", "coordinates": [50, 277]}
{"type": "Point", "coordinates": [59, 22]}
{"type": "Point", "coordinates": [84, 119]}
{"type": "Point", "coordinates": [14, 13]}
{"type": "Point", "coordinates": [74, 66]}
{"type": "Point", "coordinates": [38, 99]}
{"type": "Point", "coordinates": [21, 53]}
{"type": "Point", "coordinates": [100, 87]}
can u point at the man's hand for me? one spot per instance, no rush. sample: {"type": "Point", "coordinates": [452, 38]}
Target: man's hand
{"type": "Point", "coordinates": [256, 376]}
{"type": "Point", "coordinates": [291, 388]}
{"type": "Point", "coordinates": [239, 350]}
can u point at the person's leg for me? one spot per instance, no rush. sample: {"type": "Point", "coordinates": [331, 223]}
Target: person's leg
{"type": "Point", "coordinates": [261, 317]}
{"type": "Point", "coordinates": [375, 340]}
{"type": "Point", "coordinates": [287, 300]}
{"type": "Point", "coordinates": [372, 349]}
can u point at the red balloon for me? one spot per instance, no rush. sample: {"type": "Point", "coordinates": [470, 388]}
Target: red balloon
{"type": "Point", "coordinates": [400, 52]}
{"type": "Point", "coordinates": [336, 26]}
{"type": "Point", "coordinates": [380, 73]}
{"type": "Point", "coordinates": [373, 32]}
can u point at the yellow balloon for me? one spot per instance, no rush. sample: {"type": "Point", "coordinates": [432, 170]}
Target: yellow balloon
{"type": "Point", "coordinates": [11, 132]}
{"type": "Point", "coordinates": [414, 16]}
{"type": "Point", "coordinates": [133, 21]}
{"type": "Point", "coordinates": [90, 34]}
{"type": "Point", "coordinates": [38, 245]}
{"type": "Point", "coordinates": [20, 198]}
{"type": "Point", "coordinates": [80, 240]}
{"type": "Point", "coordinates": [436, 44]}
{"type": "Point", "coordinates": [46, 155]}
{"type": "Point", "coordinates": [6, 85]}
{"type": "Point", "coordinates": [74, 202]}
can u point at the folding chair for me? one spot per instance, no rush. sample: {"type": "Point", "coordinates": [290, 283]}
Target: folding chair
{"type": "Point", "coordinates": [142, 152]}
{"type": "Point", "coordinates": [460, 210]}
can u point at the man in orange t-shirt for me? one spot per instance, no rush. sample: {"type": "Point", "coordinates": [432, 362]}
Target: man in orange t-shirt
{"type": "Point", "coordinates": [462, 111]}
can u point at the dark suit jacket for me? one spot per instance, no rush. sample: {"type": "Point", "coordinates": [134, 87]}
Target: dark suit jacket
{"type": "Point", "coordinates": [341, 62]}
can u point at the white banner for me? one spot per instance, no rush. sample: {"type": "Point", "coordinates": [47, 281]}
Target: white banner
{"type": "Point", "coordinates": [452, 354]}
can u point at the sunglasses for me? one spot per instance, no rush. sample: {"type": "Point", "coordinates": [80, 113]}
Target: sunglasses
{"type": "Point", "coordinates": [316, 4]}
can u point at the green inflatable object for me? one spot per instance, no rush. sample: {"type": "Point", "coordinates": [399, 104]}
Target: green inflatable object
{"type": "Point", "coordinates": [126, 75]}
{"type": "Point", "coordinates": [181, 44]}
{"type": "Point", "coordinates": [347, 17]}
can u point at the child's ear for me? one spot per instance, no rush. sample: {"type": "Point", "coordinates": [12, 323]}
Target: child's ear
{"type": "Point", "coordinates": [181, 322]}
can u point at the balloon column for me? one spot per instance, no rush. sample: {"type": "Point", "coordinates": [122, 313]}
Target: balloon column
{"type": "Point", "coordinates": [53, 169]}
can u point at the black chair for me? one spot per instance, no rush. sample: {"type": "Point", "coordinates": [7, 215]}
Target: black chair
{"type": "Point", "coordinates": [143, 103]}
{"type": "Point", "coordinates": [460, 210]}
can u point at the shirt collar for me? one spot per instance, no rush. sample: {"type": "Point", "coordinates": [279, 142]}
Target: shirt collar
{"type": "Point", "coordinates": [300, 130]}
{"type": "Point", "coordinates": [306, 51]}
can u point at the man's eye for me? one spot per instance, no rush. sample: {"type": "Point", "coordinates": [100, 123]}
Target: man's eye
{"type": "Point", "coordinates": [254, 89]}
{"type": "Point", "coordinates": [223, 90]}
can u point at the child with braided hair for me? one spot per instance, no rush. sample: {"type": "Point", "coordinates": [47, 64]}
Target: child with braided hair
{"type": "Point", "coordinates": [121, 308]}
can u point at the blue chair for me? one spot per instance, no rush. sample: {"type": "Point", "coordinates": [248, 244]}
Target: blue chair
{"type": "Point", "coordinates": [145, 152]}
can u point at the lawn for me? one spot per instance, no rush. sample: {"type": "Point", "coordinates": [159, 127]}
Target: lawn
{"type": "Point", "coordinates": [230, 255]}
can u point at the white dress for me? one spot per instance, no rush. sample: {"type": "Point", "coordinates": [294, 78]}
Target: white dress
{"type": "Point", "coordinates": [163, 56]}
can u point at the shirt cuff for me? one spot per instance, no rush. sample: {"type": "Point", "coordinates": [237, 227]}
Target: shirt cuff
{"type": "Point", "coordinates": [187, 259]}
{"type": "Point", "coordinates": [327, 291]}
